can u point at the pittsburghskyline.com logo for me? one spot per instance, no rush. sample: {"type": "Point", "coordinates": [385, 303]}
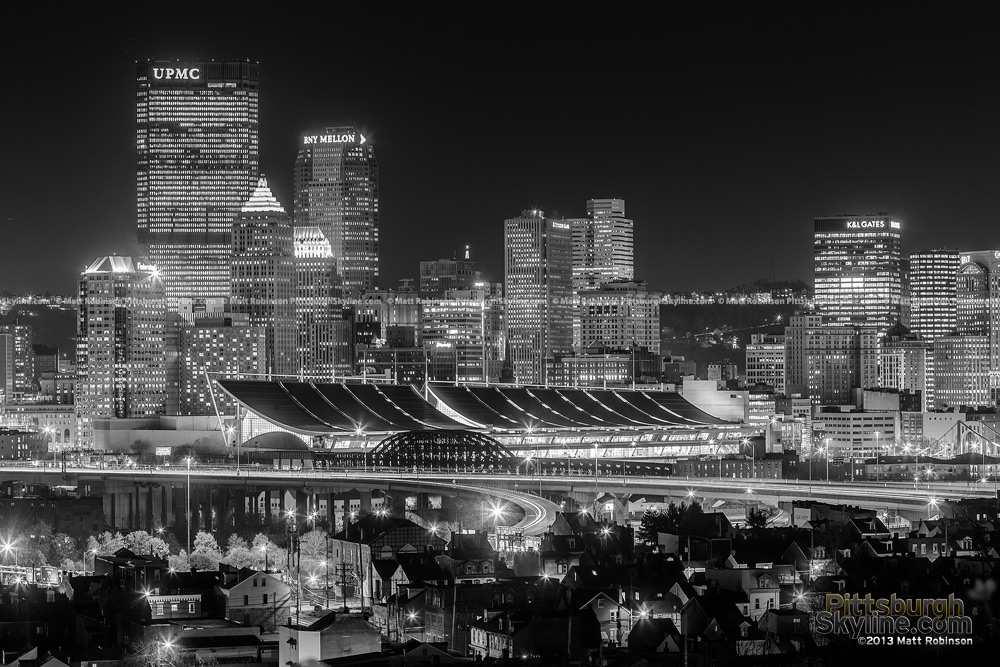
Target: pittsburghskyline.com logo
{"type": "Point", "coordinates": [896, 621]}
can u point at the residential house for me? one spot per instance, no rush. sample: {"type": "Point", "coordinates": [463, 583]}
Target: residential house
{"type": "Point", "coordinates": [256, 598]}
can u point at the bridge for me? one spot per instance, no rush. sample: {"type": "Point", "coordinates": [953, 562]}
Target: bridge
{"type": "Point", "coordinates": [531, 493]}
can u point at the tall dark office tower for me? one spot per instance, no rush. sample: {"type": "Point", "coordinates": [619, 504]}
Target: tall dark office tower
{"type": "Point", "coordinates": [325, 327]}
{"type": "Point", "coordinates": [336, 189]}
{"type": "Point", "coordinates": [828, 362]}
{"type": "Point", "coordinates": [857, 270]}
{"type": "Point", "coordinates": [6, 368]}
{"type": "Point", "coordinates": [443, 275]}
{"type": "Point", "coordinates": [24, 356]}
{"type": "Point", "coordinates": [538, 282]}
{"type": "Point", "coordinates": [263, 276]}
{"type": "Point", "coordinates": [932, 293]}
{"type": "Point", "coordinates": [197, 163]}
{"type": "Point", "coordinates": [932, 297]}
{"type": "Point", "coordinates": [121, 325]}
{"type": "Point", "coordinates": [967, 363]}
{"type": "Point", "coordinates": [602, 245]}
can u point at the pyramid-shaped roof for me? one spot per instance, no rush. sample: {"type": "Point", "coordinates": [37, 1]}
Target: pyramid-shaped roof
{"type": "Point", "coordinates": [262, 200]}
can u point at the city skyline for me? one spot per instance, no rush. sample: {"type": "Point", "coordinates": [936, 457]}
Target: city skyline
{"type": "Point", "coordinates": [727, 123]}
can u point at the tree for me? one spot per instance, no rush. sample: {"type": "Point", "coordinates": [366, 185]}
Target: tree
{"type": "Point", "coordinates": [206, 554]}
{"type": "Point", "coordinates": [141, 542]}
{"type": "Point", "coordinates": [236, 542]}
{"type": "Point", "coordinates": [692, 521]}
{"type": "Point", "coordinates": [106, 543]}
{"type": "Point", "coordinates": [647, 526]}
{"type": "Point", "coordinates": [240, 554]}
{"type": "Point", "coordinates": [757, 518]}
{"type": "Point", "coordinates": [276, 557]}
{"type": "Point", "coordinates": [312, 545]}
{"type": "Point", "coordinates": [204, 541]}
{"type": "Point", "coordinates": [62, 547]}
{"type": "Point", "coordinates": [241, 557]}
{"type": "Point", "coordinates": [661, 521]}
{"type": "Point", "coordinates": [179, 562]}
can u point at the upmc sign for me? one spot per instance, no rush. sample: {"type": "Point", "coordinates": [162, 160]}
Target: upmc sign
{"type": "Point", "coordinates": [167, 74]}
{"type": "Point", "coordinates": [176, 73]}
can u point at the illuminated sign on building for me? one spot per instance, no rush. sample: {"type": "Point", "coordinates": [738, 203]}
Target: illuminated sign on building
{"type": "Point", "coordinates": [146, 267]}
{"type": "Point", "coordinates": [560, 225]}
{"type": "Point", "coordinates": [176, 73]}
{"type": "Point", "coordinates": [334, 139]}
{"type": "Point", "coordinates": [867, 224]}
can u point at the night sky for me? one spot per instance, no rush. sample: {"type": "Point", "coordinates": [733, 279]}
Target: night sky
{"type": "Point", "coordinates": [726, 133]}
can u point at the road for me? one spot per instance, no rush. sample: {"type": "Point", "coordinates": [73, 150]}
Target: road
{"type": "Point", "coordinates": [540, 512]}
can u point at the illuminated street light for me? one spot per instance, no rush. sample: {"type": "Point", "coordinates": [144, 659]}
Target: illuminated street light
{"type": "Point", "coordinates": [188, 517]}
{"type": "Point", "coordinates": [7, 548]}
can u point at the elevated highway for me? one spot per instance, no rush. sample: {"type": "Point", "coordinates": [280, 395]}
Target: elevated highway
{"type": "Point", "coordinates": [527, 491]}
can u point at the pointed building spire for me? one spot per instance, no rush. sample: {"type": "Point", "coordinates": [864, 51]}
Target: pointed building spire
{"type": "Point", "coordinates": [262, 200]}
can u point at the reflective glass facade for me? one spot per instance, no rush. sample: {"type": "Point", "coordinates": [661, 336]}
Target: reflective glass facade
{"type": "Point", "coordinates": [602, 245]}
{"type": "Point", "coordinates": [857, 270]}
{"type": "Point", "coordinates": [538, 282]}
{"type": "Point", "coordinates": [336, 190]}
{"type": "Point", "coordinates": [196, 164]}
{"type": "Point", "coordinates": [120, 349]}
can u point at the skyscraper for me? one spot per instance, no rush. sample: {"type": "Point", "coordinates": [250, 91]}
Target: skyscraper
{"type": "Point", "coordinates": [602, 245]}
{"type": "Point", "coordinates": [827, 362]}
{"type": "Point", "coordinates": [857, 270]}
{"type": "Point", "coordinates": [903, 362]}
{"type": "Point", "coordinates": [469, 321]}
{"type": "Point", "coordinates": [22, 336]}
{"type": "Point", "coordinates": [325, 326]}
{"type": "Point", "coordinates": [336, 189]}
{"type": "Point", "coordinates": [932, 291]}
{"type": "Point", "coordinates": [6, 368]}
{"type": "Point", "coordinates": [442, 275]}
{"type": "Point", "coordinates": [263, 276]}
{"type": "Point", "coordinates": [121, 324]}
{"type": "Point", "coordinates": [766, 361]}
{"type": "Point", "coordinates": [196, 164]}
{"type": "Point", "coordinates": [538, 282]}
{"type": "Point", "coordinates": [622, 315]}
{"type": "Point", "coordinates": [224, 346]}
{"type": "Point", "coordinates": [967, 362]}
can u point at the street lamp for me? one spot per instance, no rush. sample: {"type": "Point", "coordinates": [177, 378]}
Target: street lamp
{"type": "Point", "coordinates": [826, 455]}
{"type": "Point", "coordinates": [877, 450]}
{"type": "Point", "coordinates": [711, 441]}
{"type": "Point", "coordinates": [931, 503]}
{"type": "Point", "coordinates": [811, 454]}
{"type": "Point", "coordinates": [597, 493]}
{"type": "Point", "coordinates": [7, 548]}
{"type": "Point", "coordinates": [188, 517]}
{"type": "Point", "coordinates": [753, 458]}
{"type": "Point", "coordinates": [229, 437]}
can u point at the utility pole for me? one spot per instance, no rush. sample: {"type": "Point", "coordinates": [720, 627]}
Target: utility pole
{"type": "Point", "coordinates": [344, 571]}
{"type": "Point", "coordinates": [326, 564]}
